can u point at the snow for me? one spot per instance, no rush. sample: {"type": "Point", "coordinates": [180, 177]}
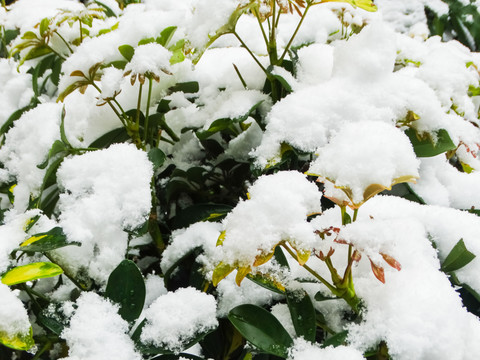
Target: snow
{"type": "Point", "coordinates": [366, 153]}
{"type": "Point", "coordinates": [99, 200]}
{"type": "Point", "coordinates": [173, 319]}
{"type": "Point", "coordinates": [97, 331]}
{"type": "Point", "coordinates": [24, 150]}
{"type": "Point", "coordinates": [13, 314]}
{"type": "Point", "coordinates": [254, 227]}
{"type": "Point", "coordinates": [15, 92]}
{"type": "Point", "coordinates": [353, 97]}
{"type": "Point", "coordinates": [303, 350]}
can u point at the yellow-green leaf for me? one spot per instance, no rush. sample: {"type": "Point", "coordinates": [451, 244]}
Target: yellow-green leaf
{"type": "Point", "coordinates": [18, 341]}
{"type": "Point", "coordinates": [32, 240]}
{"type": "Point", "coordinates": [30, 272]}
{"type": "Point", "coordinates": [363, 4]}
{"type": "Point", "coordinates": [221, 238]}
{"type": "Point", "coordinates": [263, 258]}
{"type": "Point", "coordinates": [241, 273]}
{"type": "Point", "coordinates": [221, 272]}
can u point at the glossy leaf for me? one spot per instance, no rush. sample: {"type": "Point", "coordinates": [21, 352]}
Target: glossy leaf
{"type": "Point", "coordinates": [426, 147]}
{"type": "Point", "coordinates": [127, 288]}
{"type": "Point", "coordinates": [458, 257]}
{"type": "Point", "coordinates": [157, 157]}
{"type": "Point", "coordinates": [268, 282]}
{"type": "Point", "coordinates": [261, 328]}
{"type": "Point", "coordinates": [200, 212]}
{"type": "Point", "coordinates": [303, 314]}
{"type": "Point", "coordinates": [48, 241]}
{"type": "Point", "coordinates": [18, 341]}
{"type": "Point", "coordinates": [114, 136]}
{"type": "Point", "coordinates": [30, 272]}
{"type": "Point", "coordinates": [186, 87]}
{"type": "Point", "coordinates": [336, 340]}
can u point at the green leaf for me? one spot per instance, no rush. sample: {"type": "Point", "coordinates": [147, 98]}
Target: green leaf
{"type": "Point", "coordinates": [302, 313]}
{"type": "Point", "coordinates": [30, 272]}
{"type": "Point", "coordinates": [15, 116]}
{"type": "Point", "coordinates": [57, 147]}
{"type": "Point", "coordinates": [166, 35]}
{"type": "Point", "coordinates": [126, 287]}
{"type": "Point", "coordinates": [280, 257]}
{"type": "Point", "coordinates": [37, 52]}
{"type": "Point", "coordinates": [189, 87]}
{"type": "Point", "coordinates": [30, 35]}
{"type": "Point", "coordinates": [109, 12]}
{"type": "Point", "coordinates": [363, 4]}
{"type": "Point", "coordinates": [199, 212]}
{"type": "Point", "coordinates": [267, 283]}
{"type": "Point", "coordinates": [146, 41]}
{"type": "Point", "coordinates": [336, 340]}
{"type": "Point", "coordinates": [47, 241]}
{"type": "Point", "coordinates": [284, 83]}
{"type": "Point", "coordinates": [19, 341]}
{"type": "Point", "coordinates": [261, 328]}
{"type": "Point", "coordinates": [177, 57]}
{"type": "Point", "coordinates": [44, 24]}
{"type": "Point", "coordinates": [425, 147]}
{"type": "Point", "coordinates": [127, 51]}
{"type": "Point", "coordinates": [115, 136]}
{"type": "Point", "coordinates": [157, 157]}
{"type": "Point", "coordinates": [50, 177]}
{"type": "Point", "coordinates": [458, 257]}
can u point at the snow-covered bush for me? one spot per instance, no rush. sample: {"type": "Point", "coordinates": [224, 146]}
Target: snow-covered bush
{"type": "Point", "coordinates": [238, 179]}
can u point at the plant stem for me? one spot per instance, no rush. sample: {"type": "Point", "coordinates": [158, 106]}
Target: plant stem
{"type": "Point", "coordinates": [257, 15]}
{"type": "Point", "coordinates": [139, 104]}
{"type": "Point", "coordinates": [251, 54]}
{"type": "Point", "coordinates": [81, 32]}
{"type": "Point", "coordinates": [147, 111]}
{"type": "Point", "coordinates": [311, 271]}
{"type": "Point", "coordinates": [42, 350]}
{"type": "Point", "coordinates": [57, 53]}
{"type": "Point", "coordinates": [295, 32]}
{"type": "Point", "coordinates": [109, 102]}
{"type": "Point", "coordinates": [66, 273]}
{"type": "Point", "coordinates": [168, 130]}
{"type": "Point", "coordinates": [64, 41]}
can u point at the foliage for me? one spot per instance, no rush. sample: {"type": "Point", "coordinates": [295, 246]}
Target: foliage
{"type": "Point", "coordinates": [211, 187]}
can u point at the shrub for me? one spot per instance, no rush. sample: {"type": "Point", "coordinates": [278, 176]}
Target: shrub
{"type": "Point", "coordinates": [235, 180]}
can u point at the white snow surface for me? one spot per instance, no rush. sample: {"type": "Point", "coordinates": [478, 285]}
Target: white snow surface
{"type": "Point", "coordinates": [363, 154]}
{"type": "Point", "coordinates": [104, 192]}
{"type": "Point", "coordinates": [304, 350]}
{"type": "Point", "coordinates": [174, 319]}
{"type": "Point", "coordinates": [97, 331]}
{"type": "Point", "coordinates": [24, 150]}
{"type": "Point", "coordinates": [12, 312]}
{"type": "Point", "coordinates": [276, 211]}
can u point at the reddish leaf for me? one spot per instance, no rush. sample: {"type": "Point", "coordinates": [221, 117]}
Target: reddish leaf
{"type": "Point", "coordinates": [378, 271]}
{"type": "Point", "coordinates": [391, 261]}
